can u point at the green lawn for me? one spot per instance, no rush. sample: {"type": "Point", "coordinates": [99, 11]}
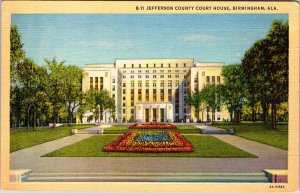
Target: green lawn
{"type": "Point", "coordinates": [205, 146]}
{"type": "Point", "coordinates": [21, 138]}
{"type": "Point", "coordinates": [120, 129]}
{"type": "Point", "coordinates": [260, 132]}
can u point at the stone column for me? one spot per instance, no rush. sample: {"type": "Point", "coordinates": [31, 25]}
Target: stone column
{"type": "Point", "coordinates": [150, 114]}
{"type": "Point", "coordinates": [158, 114]}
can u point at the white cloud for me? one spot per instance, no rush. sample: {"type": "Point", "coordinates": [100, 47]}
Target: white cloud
{"type": "Point", "coordinates": [104, 44]}
{"type": "Point", "coordinates": [198, 38]}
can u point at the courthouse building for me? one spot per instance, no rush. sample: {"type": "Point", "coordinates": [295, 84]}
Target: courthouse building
{"type": "Point", "coordinates": [152, 90]}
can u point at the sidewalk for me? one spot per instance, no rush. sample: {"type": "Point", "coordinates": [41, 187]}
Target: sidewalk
{"type": "Point", "coordinates": [268, 158]}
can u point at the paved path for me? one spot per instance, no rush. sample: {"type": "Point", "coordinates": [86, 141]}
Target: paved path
{"type": "Point", "coordinates": [268, 158]}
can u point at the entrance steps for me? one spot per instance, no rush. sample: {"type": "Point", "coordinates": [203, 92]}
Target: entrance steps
{"type": "Point", "coordinates": [148, 177]}
{"type": "Point", "coordinates": [94, 131]}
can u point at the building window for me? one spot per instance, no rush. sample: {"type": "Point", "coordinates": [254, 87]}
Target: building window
{"type": "Point", "coordinates": [161, 65]}
{"type": "Point", "coordinates": [96, 83]}
{"type": "Point", "coordinates": [132, 83]}
{"type": "Point", "coordinates": [169, 71]}
{"type": "Point", "coordinates": [177, 83]}
{"type": "Point", "coordinates": [140, 84]}
{"type": "Point", "coordinates": [132, 76]}
{"type": "Point", "coordinates": [154, 84]}
{"type": "Point", "coordinates": [124, 91]}
{"type": "Point", "coordinates": [132, 71]}
{"type": "Point", "coordinates": [139, 76]}
{"type": "Point", "coordinates": [132, 65]}
{"type": "Point", "coordinates": [125, 66]}
{"type": "Point", "coordinates": [169, 65]}
{"type": "Point", "coordinates": [154, 65]}
{"type": "Point", "coordinates": [113, 88]}
{"type": "Point", "coordinates": [169, 76]}
{"type": "Point", "coordinates": [113, 80]}
{"type": "Point", "coordinates": [218, 79]}
{"type": "Point", "coordinates": [91, 82]}
{"type": "Point", "coordinates": [140, 94]}
{"type": "Point", "coordinates": [162, 76]}
{"type": "Point", "coordinates": [169, 83]}
{"type": "Point", "coordinates": [184, 64]}
{"type": "Point", "coordinates": [147, 84]}
{"type": "Point", "coordinates": [154, 95]}
{"type": "Point", "coordinates": [124, 76]}
{"type": "Point", "coordinates": [124, 104]}
{"type": "Point", "coordinates": [154, 76]}
{"type": "Point", "coordinates": [169, 95]}
{"type": "Point", "coordinates": [161, 71]}
{"type": "Point", "coordinates": [176, 65]}
{"type": "Point", "coordinates": [124, 84]}
{"type": "Point", "coordinates": [139, 65]}
{"type": "Point", "coordinates": [124, 98]}
{"type": "Point", "coordinates": [101, 83]}
{"type": "Point", "coordinates": [140, 71]}
{"type": "Point", "coordinates": [147, 71]}
{"type": "Point", "coordinates": [147, 66]}
{"type": "Point", "coordinates": [213, 79]}
{"type": "Point", "coordinates": [147, 94]}
{"type": "Point", "coordinates": [124, 71]}
{"type": "Point", "coordinates": [162, 94]}
{"type": "Point", "coordinates": [154, 71]}
{"type": "Point", "coordinates": [162, 84]}
{"type": "Point", "coordinates": [176, 76]}
{"type": "Point", "coordinates": [207, 78]}
{"type": "Point", "coordinates": [147, 76]}
{"type": "Point", "coordinates": [124, 112]}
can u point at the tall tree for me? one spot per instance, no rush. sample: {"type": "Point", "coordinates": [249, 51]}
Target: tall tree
{"type": "Point", "coordinates": [234, 89]}
{"type": "Point", "coordinates": [17, 53]}
{"type": "Point", "coordinates": [212, 96]}
{"type": "Point", "coordinates": [55, 87]}
{"type": "Point", "coordinates": [195, 100]}
{"type": "Point", "coordinates": [266, 67]}
{"type": "Point", "coordinates": [72, 89]}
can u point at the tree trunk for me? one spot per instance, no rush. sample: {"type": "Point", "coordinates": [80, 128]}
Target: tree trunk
{"type": "Point", "coordinates": [197, 116]}
{"type": "Point", "coordinates": [238, 117]}
{"type": "Point", "coordinates": [265, 107]}
{"type": "Point", "coordinates": [33, 119]}
{"type": "Point", "coordinates": [69, 116]}
{"type": "Point", "coordinates": [54, 119]}
{"type": "Point", "coordinates": [202, 115]}
{"type": "Point", "coordinates": [231, 116]}
{"type": "Point", "coordinates": [274, 122]}
{"type": "Point", "coordinates": [253, 114]}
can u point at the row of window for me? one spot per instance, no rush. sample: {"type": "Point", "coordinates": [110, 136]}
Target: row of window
{"type": "Point", "coordinates": [153, 71]}
{"type": "Point", "coordinates": [154, 84]}
{"type": "Point", "coordinates": [153, 76]}
{"type": "Point", "coordinates": [162, 65]}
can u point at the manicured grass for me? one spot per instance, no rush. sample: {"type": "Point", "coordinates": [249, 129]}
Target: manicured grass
{"type": "Point", "coordinates": [260, 132]}
{"type": "Point", "coordinates": [205, 146]}
{"type": "Point", "coordinates": [120, 129]}
{"type": "Point", "coordinates": [21, 138]}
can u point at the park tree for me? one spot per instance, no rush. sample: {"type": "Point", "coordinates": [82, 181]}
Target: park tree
{"type": "Point", "coordinates": [55, 87]}
{"type": "Point", "coordinates": [266, 67]}
{"type": "Point", "coordinates": [196, 101]}
{"type": "Point", "coordinates": [17, 53]}
{"type": "Point", "coordinates": [234, 89]}
{"type": "Point", "coordinates": [212, 96]}
{"type": "Point", "coordinates": [72, 89]}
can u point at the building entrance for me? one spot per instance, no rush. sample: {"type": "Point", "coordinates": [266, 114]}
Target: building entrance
{"type": "Point", "coordinates": [154, 112]}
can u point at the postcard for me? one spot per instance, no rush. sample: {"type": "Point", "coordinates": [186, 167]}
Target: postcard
{"type": "Point", "coordinates": [150, 96]}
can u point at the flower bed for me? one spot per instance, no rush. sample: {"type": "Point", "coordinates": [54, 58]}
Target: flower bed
{"type": "Point", "coordinates": [152, 125]}
{"type": "Point", "coordinates": [150, 142]}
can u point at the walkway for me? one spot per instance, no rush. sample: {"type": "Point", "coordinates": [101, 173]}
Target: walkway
{"type": "Point", "coordinates": [268, 158]}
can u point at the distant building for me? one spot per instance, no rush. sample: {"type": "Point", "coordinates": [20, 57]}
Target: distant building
{"type": "Point", "coordinates": [152, 90]}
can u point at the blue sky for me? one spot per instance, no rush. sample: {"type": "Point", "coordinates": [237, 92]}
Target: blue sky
{"type": "Point", "coordinates": [101, 38]}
